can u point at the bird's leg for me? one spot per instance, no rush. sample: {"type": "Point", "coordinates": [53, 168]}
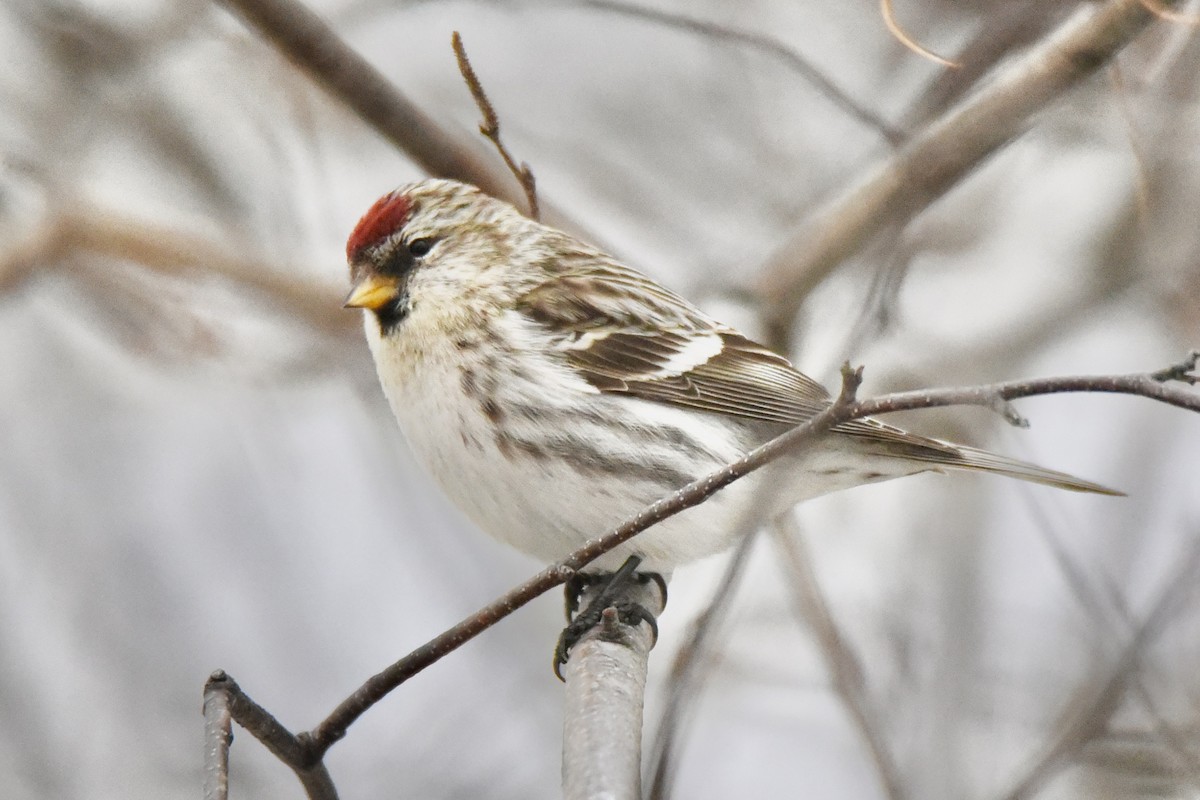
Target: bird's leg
{"type": "Point", "coordinates": [609, 596]}
{"type": "Point", "coordinates": [574, 588]}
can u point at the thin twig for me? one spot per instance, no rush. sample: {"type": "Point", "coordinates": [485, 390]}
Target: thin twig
{"type": "Point", "coordinates": [1184, 371]}
{"type": "Point", "coordinates": [935, 160]}
{"type": "Point", "coordinates": [1159, 9]}
{"type": "Point", "coordinates": [842, 663]}
{"type": "Point", "coordinates": [1090, 712]}
{"type": "Point", "coordinates": [37, 245]}
{"type": "Point", "coordinates": [309, 43]}
{"type": "Point", "coordinates": [889, 20]}
{"type": "Point", "coordinates": [1008, 28]}
{"type": "Point", "coordinates": [1153, 385]}
{"type": "Point", "coordinates": [685, 671]}
{"type": "Point", "coordinates": [304, 752]}
{"type": "Point", "coordinates": [170, 251]}
{"type": "Point", "coordinates": [218, 734]}
{"type": "Point", "coordinates": [1133, 136]}
{"type": "Point", "coordinates": [289, 748]}
{"type": "Point", "coordinates": [1093, 600]}
{"type": "Point", "coordinates": [334, 726]}
{"type": "Point", "coordinates": [490, 127]}
{"type": "Point", "coordinates": [766, 45]}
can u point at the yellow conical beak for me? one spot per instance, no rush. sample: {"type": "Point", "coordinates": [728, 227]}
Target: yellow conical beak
{"type": "Point", "coordinates": [373, 292]}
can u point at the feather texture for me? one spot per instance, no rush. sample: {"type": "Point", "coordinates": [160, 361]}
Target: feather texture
{"type": "Point", "coordinates": [669, 352]}
{"type": "Point", "coordinates": [553, 391]}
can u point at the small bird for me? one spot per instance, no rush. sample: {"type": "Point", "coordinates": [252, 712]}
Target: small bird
{"type": "Point", "coordinates": [553, 391]}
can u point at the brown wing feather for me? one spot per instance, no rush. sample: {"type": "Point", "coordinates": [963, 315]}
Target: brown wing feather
{"type": "Point", "coordinates": [622, 332]}
{"type": "Point", "coordinates": [642, 342]}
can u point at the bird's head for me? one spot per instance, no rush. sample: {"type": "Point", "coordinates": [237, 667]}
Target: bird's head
{"type": "Point", "coordinates": [426, 241]}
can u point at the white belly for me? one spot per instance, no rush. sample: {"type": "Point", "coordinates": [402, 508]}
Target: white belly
{"type": "Point", "coordinates": [544, 462]}
{"type": "Point", "coordinates": [547, 485]}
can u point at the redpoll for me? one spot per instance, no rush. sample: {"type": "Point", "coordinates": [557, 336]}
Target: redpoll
{"type": "Point", "coordinates": [553, 392]}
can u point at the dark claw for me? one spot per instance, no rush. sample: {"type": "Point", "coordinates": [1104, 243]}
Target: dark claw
{"type": "Point", "coordinates": [628, 612]}
{"type": "Point", "coordinates": [574, 588]}
{"type": "Point", "coordinates": [662, 586]}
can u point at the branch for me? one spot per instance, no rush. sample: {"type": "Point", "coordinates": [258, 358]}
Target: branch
{"type": "Point", "coordinates": [304, 752]}
{"type": "Point", "coordinates": [889, 21]}
{"type": "Point", "coordinates": [1091, 711]}
{"type": "Point", "coordinates": [334, 726]}
{"type": "Point", "coordinates": [1113, 627]}
{"type": "Point", "coordinates": [1159, 9]}
{"type": "Point", "coordinates": [685, 681]}
{"type": "Point", "coordinates": [73, 227]}
{"type": "Point", "coordinates": [603, 700]}
{"type": "Point", "coordinates": [491, 126]}
{"type": "Point", "coordinates": [169, 251]}
{"type": "Point", "coordinates": [218, 735]}
{"type": "Point", "coordinates": [309, 43]}
{"type": "Point", "coordinates": [945, 152]}
{"type": "Point", "coordinates": [764, 44]}
{"type": "Point", "coordinates": [845, 668]}
{"type": "Point", "coordinates": [1153, 385]}
{"type": "Point", "coordinates": [289, 748]}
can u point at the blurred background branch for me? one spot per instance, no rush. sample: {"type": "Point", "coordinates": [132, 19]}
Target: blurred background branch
{"type": "Point", "coordinates": [199, 470]}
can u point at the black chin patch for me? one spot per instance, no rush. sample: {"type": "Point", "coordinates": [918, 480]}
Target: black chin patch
{"type": "Point", "coordinates": [391, 315]}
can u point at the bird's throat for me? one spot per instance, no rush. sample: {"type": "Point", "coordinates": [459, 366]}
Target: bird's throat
{"type": "Point", "coordinates": [393, 314]}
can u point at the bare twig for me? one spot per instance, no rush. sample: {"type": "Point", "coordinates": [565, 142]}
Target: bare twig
{"type": "Point", "coordinates": [304, 752]}
{"type": "Point", "coordinates": [892, 258]}
{"type": "Point", "coordinates": [763, 44]}
{"type": "Point", "coordinates": [844, 667]}
{"type": "Point", "coordinates": [490, 127]}
{"type": "Point", "coordinates": [40, 244]}
{"type": "Point", "coordinates": [1184, 371]}
{"type": "Point", "coordinates": [84, 229]}
{"type": "Point", "coordinates": [1110, 631]}
{"type": "Point", "coordinates": [889, 20]}
{"type": "Point", "coordinates": [168, 251]}
{"type": "Point", "coordinates": [947, 150]}
{"type": "Point", "coordinates": [1160, 9]}
{"type": "Point", "coordinates": [1153, 385]}
{"type": "Point", "coordinates": [1007, 28]}
{"type": "Point", "coordinates": [1136, 149]}
{"type": "Point", "coordinates": [683, 685]}
{"type": "Point", "coordinates": [218, 734]}
{"type": "Point", "coordinates": [603, 700]}
{"type": "Point", "coordinates": [289, 748]}
{"type": "Point", "coordinates": [1091, 710]}
{"type": "Point", "coordinates": [309, 43]}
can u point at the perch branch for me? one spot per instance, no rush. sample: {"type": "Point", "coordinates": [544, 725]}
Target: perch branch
{"type": "Point", "coordinates": [334, 726]}
{"type": "Point", "coordinates": [304, 752]}
{"type": "Point", "coordinates": [603, 700]}
{"type": "Point", "coordinates": [218, 735]}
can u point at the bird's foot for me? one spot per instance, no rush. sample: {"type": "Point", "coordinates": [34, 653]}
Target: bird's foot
{"type": "Point", "coordinates": [609, 596]}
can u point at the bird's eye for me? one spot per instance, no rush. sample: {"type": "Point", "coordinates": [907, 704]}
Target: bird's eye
{"type": "Point", "coordinates": [419, 247]}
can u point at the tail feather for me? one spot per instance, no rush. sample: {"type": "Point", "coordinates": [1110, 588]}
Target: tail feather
{"type": "Point", "coordinates": [889, 440]}
{"type": "Point", "coordinates": [984, 461]}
